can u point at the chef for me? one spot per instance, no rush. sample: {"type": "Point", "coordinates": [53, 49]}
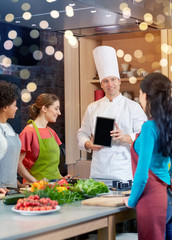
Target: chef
{"type": "Point", "coordinates": [111, 162]}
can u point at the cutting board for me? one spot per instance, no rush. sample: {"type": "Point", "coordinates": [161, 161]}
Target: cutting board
{"type": "Point", "coordinates": [105, 201]}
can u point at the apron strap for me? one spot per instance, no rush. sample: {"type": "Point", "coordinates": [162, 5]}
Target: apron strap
{"type": "Point", "coordinates": [36, 129]}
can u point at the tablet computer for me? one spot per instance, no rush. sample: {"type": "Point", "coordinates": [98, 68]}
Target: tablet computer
{"type": "Point", "coordinates": [102, 131]}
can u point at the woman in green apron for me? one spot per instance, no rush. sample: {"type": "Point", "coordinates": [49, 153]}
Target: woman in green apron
{"type": "Point", "coordinates": [40, 152]}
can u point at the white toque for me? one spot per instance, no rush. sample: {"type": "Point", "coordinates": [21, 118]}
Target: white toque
{"type": "Point", "coordinates": [106, 62]}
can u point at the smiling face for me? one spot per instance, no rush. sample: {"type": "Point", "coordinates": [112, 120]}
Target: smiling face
{"type": "Point", "coordinates": [10, 110]}
{"type": "Point", "coordinates": [111, 86]}
{"type": "Point", "coordinates": [52, 112]}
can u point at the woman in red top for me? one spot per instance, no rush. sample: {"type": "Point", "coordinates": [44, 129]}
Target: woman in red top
{"type": "Point", "coordinates": [40, 152]}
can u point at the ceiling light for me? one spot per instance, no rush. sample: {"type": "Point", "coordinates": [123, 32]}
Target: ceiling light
{"type": "Point", "coordinates": [54, 14]}
{"type": "Point", "coordinates": [51, 1]}
{"type": "Point", "coordinates": [27, 16]}
{"type": "Point", "coordinates": [93, 11]}
{"type": "Point", "coordinates": [108, 15]}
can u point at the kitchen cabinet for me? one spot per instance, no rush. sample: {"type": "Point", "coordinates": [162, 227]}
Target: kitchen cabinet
{"type": "Point", "coordinates": [80, 71]}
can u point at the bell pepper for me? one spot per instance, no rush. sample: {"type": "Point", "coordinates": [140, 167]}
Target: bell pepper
{"type": "Point", "coordinates": [61, 189]}
{"type": "Point", "coordinates": [62, 182]}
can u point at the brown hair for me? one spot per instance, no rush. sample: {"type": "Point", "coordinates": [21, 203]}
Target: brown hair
{"type": "Point", "coordinates": [45, 99]}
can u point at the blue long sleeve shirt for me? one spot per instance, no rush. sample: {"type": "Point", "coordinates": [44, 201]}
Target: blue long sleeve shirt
{"type": "Point", "coordinates": [146, 146]}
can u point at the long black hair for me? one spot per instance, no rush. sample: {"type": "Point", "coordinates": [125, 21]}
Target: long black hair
{"type": "Point", "coordinates": [159, 107]}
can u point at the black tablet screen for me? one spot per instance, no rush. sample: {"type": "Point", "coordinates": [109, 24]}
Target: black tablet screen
{"type": "Point", "coordinates": [102, 131]}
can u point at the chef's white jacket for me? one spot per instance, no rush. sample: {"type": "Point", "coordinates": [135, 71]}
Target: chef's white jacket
{"type": "Point", "coordinates": [112, 162]}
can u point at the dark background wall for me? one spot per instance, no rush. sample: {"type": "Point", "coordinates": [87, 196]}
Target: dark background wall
{"type": "Point", "coordinates": [48, 74]}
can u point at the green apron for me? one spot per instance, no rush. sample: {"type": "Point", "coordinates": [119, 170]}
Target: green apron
{"type": "Point", "coordinates": [46, 165]}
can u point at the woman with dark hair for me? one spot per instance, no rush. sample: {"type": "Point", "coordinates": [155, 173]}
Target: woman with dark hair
{"type": "Point", "coordinates": [151, 155]}
{"type": "Point", "coordinates": [10, 144]}
{"type": "Point", "coordinates": [40, 152]}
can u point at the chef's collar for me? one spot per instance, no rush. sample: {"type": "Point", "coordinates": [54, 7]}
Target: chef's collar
{"type": "Point", "coordinates": [115, 99]}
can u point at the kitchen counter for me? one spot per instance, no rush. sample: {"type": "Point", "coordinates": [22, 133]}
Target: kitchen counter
{"type": "Point", "coordinates": [71, 220]}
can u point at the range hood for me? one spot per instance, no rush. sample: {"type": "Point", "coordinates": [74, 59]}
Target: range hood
{"type": "Point", "coordinates": [91, 17]}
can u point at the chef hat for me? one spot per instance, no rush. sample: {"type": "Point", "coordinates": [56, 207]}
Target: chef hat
{"type": "Point", "coordinates": [106, 62]}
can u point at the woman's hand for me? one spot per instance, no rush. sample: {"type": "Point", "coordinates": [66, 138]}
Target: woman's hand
{"type": "Point", "coordinates": [68, 176]}
{"type": "Point", "coordinates": [126, 202]}
{"type": "Point", "coordinates": [3, 190]}
{"type": "Point", "coordinates": [117, 134]}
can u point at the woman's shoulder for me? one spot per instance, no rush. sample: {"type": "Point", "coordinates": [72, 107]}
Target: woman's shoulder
{"type": "Point", "coordinates": [28, 130]}
{"type": "Point", "coordinates": [6, 127]}
{"type": "Point", "coordinates": [149, 127]}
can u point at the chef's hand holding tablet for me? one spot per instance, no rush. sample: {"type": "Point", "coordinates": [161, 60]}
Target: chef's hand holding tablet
{"type": "Point", "coordinates": [90, 145]}
{"type": "Point", "coordinates": [117, 134]}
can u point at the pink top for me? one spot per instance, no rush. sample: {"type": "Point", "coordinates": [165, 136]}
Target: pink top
{"type": "Point", "coordinates": [30, 144]}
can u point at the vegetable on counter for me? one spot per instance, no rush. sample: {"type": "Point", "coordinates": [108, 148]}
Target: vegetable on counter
{"type": "Point", "coordinates": [12, 199]}
{"type": "Point", "coordinates": [34, 203]}
{"type": "Point", "coordinates": [63, 192]}
{"type": "Point", "coordinates": [91, 187]}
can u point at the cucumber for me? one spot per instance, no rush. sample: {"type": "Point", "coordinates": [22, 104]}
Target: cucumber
{"type": "Point", "coordinates": [12, 199]}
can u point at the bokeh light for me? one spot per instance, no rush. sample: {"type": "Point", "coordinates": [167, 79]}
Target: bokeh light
{"type": "Point", "coordinates": [127, 57]}
{"type": "Point", "coordinates": [58, 55]}
{"type": "Point", "coordinates": [17, 41]}
{"type": "Point", "coordinates": [8, 45]}
{"type": "Point", "coordinates": [25, 6]}
{"type": "Point", "coordinates": [53, 40]}
{"type": "Point", "coordinates": [126, 12]}
{"type": "Point", "coordinates": [160, 19]}
{"type": "Point", "coordinates": [49, 50]}
{"type": "Point", "coordinates": [6, 62]}
{"type": "Point", "coordinates": [12, 34]}
{"type": "Point", "coordinates": [149, 37]}
{"type": "Point", "coordinates": [9, 17]}
{"type": "Point", "coordinates": [31, 87]}
{"type": "Point", "coordinates": [148, 18]}
{"type": "Point", "coordinates": [54, 14]}
{"type": "Point", "coordinates": [27, 16]}
{"type": "Point", "coordinates": [120, 53]}
{"type": "Point", "coordinates": [132, 80]}
{"type": "Point", "coordinates": [122, 6]}
{"type": "Point", "coordinates": [68, 34]}
{"type": "Point", "coordinates": [163, 62]}
{"type": "Point", "coordinates": [37, 55]}
{"type": "Point", "coordinates": [155, 65]}
{"type": "Point", "coordinates": [73, 42]}
{"type": "Point", "coordinates": [34, 34]}
{"type": "Point", "coordinates": [143, 26]}
{"type": "Point", "coordinates": [138, 53]}
{"type": "Point", "coordinates": [26, 96]}
{"type": "Point", "coordinates": [24, 74]}
{"type": "Point", "coordinates": [69, 11]}
{"type": "Point", "coordinates": [43, 24]}
{"type": "Point", "coordinates": [142, 59]}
